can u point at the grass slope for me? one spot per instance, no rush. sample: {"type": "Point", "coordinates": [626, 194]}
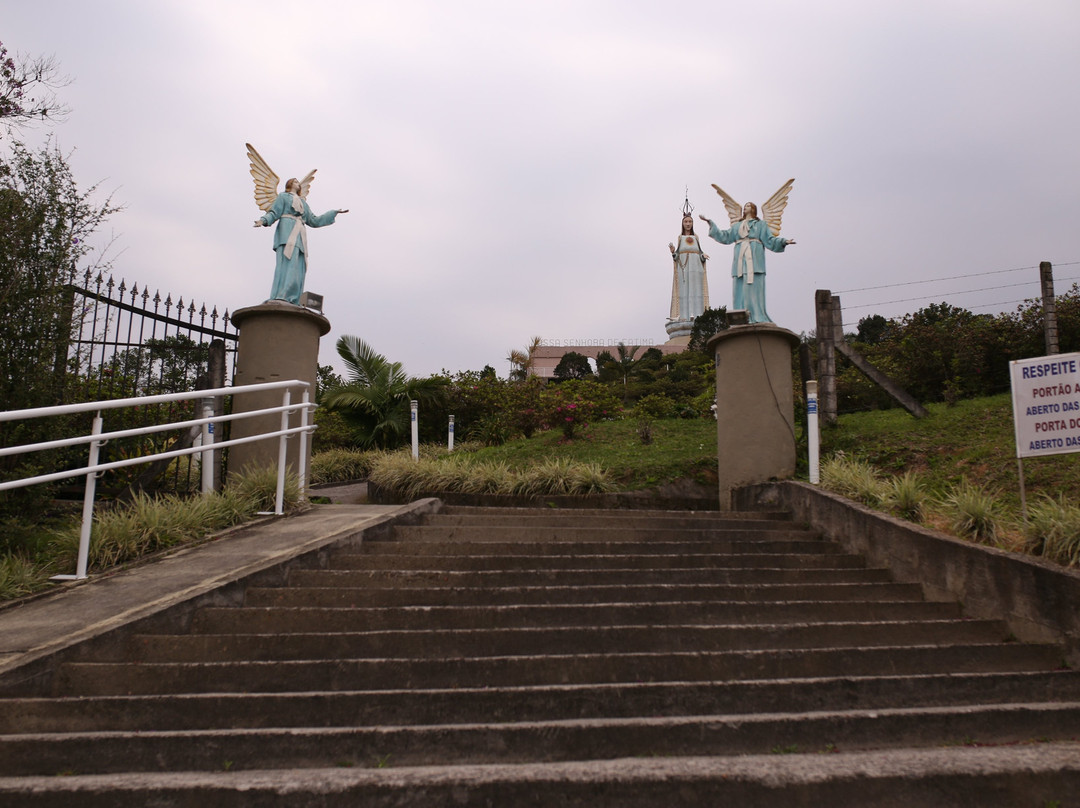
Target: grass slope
{"type": "Point", "coordinates": [972, 440]}
{"type": "Point", "coordinates": [679, 449]}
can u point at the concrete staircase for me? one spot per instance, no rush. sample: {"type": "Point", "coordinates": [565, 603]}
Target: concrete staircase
{"type": "Point", "coordinates": [538, 657]}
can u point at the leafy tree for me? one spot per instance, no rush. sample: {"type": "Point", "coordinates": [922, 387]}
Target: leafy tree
{"type": "Point", "coordinates": [27, 88]}
{"type": "Point", "coordinates": [46, 224]}
{"type": "Point", "coordinates": [375, 399]}
{"type": "Point", "coordinates": [325, 379]}
{"type": "Point", "coordinates": [707, 324]}
{"type": "Point", "coordinates": [872, 329]}
{"type": "Point", "coordinates": [573, 365]}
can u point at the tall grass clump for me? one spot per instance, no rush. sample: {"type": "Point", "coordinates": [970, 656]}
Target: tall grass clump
{"type": "Point", "coordinates": [340, 465]}
{"type": "Point", "coordinates": [401, 476]}
{"type": "Point", "coordinates": [20, 576]}
{"type": "Point", "coordinates": [853, 478]}
{"type": "Point", "coordinates": [1053, 530]}
{"type": "Point", "coordinates": [906, 497]}
{"type": "Point", "coordinates": [148, 524]}
{"type": "Point", "coordinates": [972, 511]}
{"type": "Point", "coordinates": [259, 486]}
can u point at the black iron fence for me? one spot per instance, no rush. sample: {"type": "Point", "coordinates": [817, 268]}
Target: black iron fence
{"type": "Point", "coordinates": [126, 343]}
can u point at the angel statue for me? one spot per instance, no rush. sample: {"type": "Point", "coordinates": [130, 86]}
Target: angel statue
{"type": "Point", "coordinates": [751, 238]}
{"type": "Point", "coordinates": [290, 210]}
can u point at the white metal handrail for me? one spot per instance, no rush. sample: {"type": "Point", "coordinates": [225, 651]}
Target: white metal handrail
{"type": "Point", "coordinates": [97, 438]}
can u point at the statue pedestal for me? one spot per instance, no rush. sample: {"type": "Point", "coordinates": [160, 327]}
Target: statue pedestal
{"type": "Point", "coordinates": [755, 406]}
{"type": "Point", "coordinates": [278, 342]}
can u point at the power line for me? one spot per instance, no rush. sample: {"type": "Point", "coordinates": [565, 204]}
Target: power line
{"type": "Point", "coordinates": [957, 292]}
{"type": "Point", "coordinates": [951, 277]}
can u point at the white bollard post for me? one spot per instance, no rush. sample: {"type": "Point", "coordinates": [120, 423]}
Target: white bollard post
{"type": "Point", "coordinates": [813, 438]}
{"type": "Point", "coordinates": [415, 431]}
{"type": "Point", "coordinates": [450, 440]}
{"type": "Point", "coordinates": [206, 457]}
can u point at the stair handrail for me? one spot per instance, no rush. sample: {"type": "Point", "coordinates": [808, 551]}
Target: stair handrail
{"type": "Point", "coordinates": [97, 438]}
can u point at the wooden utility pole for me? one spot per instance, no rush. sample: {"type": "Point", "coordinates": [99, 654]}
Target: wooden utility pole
{"type": "Point", "coordinates": [826, 356]}
{"type": "Point", "coordinates": [830, 337]}
{"type": "Point", "coordinates": [1050, 323]}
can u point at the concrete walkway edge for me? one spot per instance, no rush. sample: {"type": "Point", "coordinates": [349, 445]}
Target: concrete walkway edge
{"type": "Point", "coordinates": [172, 586]}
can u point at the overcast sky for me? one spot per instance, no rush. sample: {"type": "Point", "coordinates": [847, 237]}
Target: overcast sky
{"type": "Point", "coordinates": [516, 169]}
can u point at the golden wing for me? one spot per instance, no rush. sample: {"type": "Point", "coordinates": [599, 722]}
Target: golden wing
{"type": "Point", "coordinates": [773, 209]}
{"type": "Point", "coordinates": [734, 209]}
{"type": "Point", "coordinates": [266, 181]}
{"type": "Point", "coordinates": [305, 183]}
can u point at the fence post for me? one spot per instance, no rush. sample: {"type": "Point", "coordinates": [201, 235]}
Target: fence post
{"type": "Point", "coordinates": [450, 439]}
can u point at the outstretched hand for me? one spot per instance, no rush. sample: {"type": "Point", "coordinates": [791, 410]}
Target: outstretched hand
{"type": "Point", "coordinates": [790, 241]}
{"type": "Point", "coordinates": [258, 223]}
{"type": "Point", "coordinates": [704, 218]}
{"type": "Point", "coordinates": [343, 211]}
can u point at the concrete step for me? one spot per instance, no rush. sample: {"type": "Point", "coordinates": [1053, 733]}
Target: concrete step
{"type": "Point", "coordinates": [538, 741]}
{"type": "Point", "coordinates": [483, 579]}
{"type": "Point", "coordinates": [1035, 774]}
{"type": "Point", "coordinates": [420, 643]}
{"type": "Point", "coordinates": [262, 620]}
{"type": "Point", "coordinates": [611, 520]}
{"type": "Point", "coordinates": [722, 538]}
{"type": "Point", "coordinates": [118, 678]}
{"type": "Point", "coordinates": [471, 705]}
{"type": "Point", "coordinates": [572, 514]}
{"type": "Point", "coordinates": [381, 555]}
{"type": "Point", "coordinates": [621, 593]}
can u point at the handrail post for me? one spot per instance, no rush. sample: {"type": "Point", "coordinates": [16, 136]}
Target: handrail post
{"type": "Point", "coordinates": [279, 501]}
{"type": "Point", "coordinates": [304, 437]}
{"type": "Point", "coordinates": [88, 506]}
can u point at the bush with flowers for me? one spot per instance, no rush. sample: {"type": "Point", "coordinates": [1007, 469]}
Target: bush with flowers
{"type": "Point", "coordinates": [574, 404]}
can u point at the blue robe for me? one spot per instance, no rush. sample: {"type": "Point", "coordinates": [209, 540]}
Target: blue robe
{"type": "Point", "coordinates": [290, 243]}
{"type": "Point", "coordinates": [748, 265]}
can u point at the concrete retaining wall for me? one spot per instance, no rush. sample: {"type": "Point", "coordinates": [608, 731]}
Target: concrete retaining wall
{"type": "Point", "coordinates": [1040, 601]}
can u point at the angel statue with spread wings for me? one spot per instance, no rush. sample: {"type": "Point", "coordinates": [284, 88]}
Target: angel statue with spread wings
{"type": "Point", "coordinates": [290, 210]}
{"type": "Point", "coordinates": [751, 238]}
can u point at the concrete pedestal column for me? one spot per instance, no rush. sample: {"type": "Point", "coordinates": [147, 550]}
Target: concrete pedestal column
{"type": "Point", "coordinates": [755, 406]}
{"type": "Point", "coordinates": [278, 342]}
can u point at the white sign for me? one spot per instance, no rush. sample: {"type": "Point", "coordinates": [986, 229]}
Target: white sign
{"type": "Point", "coordinates": [1046, 404]}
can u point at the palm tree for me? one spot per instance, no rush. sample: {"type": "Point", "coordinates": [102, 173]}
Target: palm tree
{"type": "Point", "coordinates": [521, 362]}
{"type": "Point", "coordinates": [626, 363]}
{"type": "Point", "coordinates": [375, 398]}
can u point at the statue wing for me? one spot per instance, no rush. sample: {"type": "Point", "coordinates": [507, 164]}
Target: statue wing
{"type": "Point", "coordinates": [266, 181]}
{"type": "Point", "coordinates": [734, 209]}
{"type": "Point", "coordinates": [305, 183]}
{"type": "Point", "coordinates": [773, 209]}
